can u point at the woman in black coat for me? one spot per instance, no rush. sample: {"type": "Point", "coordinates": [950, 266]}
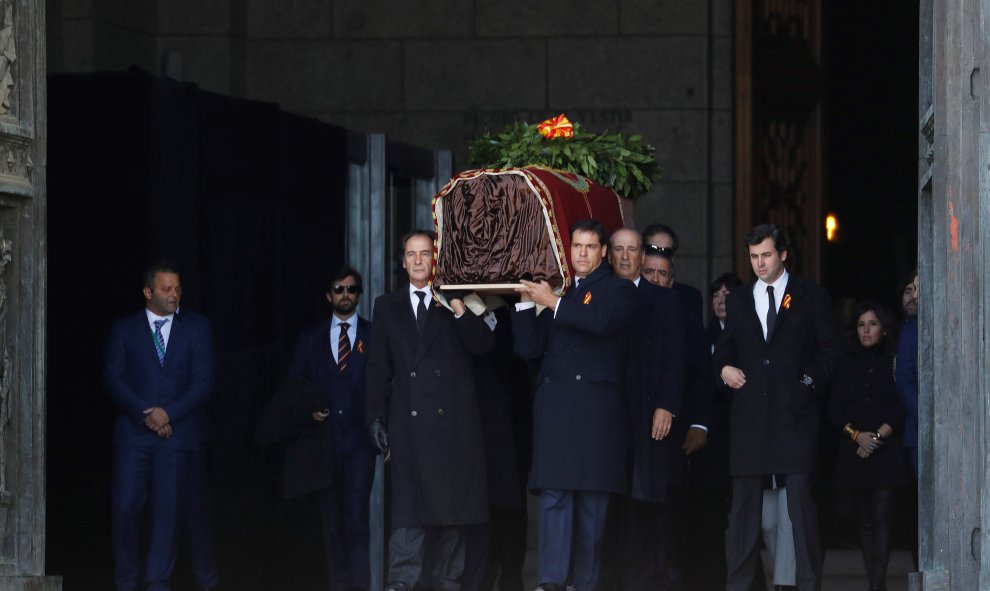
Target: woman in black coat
{"type": "Point", "coordinates": [867, 413]}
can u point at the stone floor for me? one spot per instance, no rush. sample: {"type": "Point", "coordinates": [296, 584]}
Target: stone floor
{"type": "Point", "coordinates": [843, 570]}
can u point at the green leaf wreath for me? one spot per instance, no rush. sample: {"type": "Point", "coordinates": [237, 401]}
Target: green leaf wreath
{"type": "Point", "coordinates": [624, 164]}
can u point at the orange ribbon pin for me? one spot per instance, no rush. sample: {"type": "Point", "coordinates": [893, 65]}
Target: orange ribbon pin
{"type": "Point", "coordinates": [556, 127]}
{"type": "Point", "coordinates": [587, 298]}
{"type": "Point", "coordinates": [360, 346]}
{"type": "Point", "coordinates": [786, 304]}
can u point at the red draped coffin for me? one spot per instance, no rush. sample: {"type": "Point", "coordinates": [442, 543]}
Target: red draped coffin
{"type": "Point", "coordinates": [498, 226]}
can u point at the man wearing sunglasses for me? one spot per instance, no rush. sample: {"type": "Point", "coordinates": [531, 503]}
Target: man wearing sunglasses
{"type": "Point", "coordinates": [331, 454]}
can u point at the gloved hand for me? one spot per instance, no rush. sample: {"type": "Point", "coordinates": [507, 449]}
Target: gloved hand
{"type": "Point", "coordinates": [379, 436]}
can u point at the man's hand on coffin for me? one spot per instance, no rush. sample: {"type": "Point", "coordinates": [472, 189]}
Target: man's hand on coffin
{"type": "Point", "coordinates": [455, 297]}
{"type": "Point", "coordinates": [538, 292]}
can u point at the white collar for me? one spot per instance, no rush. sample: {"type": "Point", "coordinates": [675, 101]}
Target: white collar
{"type": "Point", "coordinates": [778, 286]}
{"type": "Point", "coordinates": [335, 321]}
{"type": "Point", "coordinates": [427, 289]}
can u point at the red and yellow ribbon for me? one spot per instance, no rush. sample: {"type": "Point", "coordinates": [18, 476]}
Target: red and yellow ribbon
{"type": "Point", "coordinates": [556, 127]}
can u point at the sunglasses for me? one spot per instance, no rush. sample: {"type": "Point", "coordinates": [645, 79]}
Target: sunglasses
{"type": "Point", "coordinates": [351, 289]}
{"type": "Point", "coordinates": [660, 250]}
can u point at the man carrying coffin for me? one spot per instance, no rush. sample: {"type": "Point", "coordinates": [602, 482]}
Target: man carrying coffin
{"type": "Point", "coordinates": [423, 413]}
{"type": "Point", "coordinates": [580, 420]}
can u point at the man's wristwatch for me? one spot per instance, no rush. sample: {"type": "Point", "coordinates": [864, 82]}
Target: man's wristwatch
{"type": "Point", "coordinates": [807, 381]}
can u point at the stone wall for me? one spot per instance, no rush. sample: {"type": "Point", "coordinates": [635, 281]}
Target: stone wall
{"type": "Point", "coordinates": [434, 73]}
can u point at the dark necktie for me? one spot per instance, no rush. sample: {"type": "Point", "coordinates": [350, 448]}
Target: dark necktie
{"type": "Point", "coordinates": [343, 347]}
{"type": "Point", "coordinates": [160, 340]}
{"type": "Point", "coordinates": [771, 311]}
{"type": "Point", "coordinates": [420, 310]}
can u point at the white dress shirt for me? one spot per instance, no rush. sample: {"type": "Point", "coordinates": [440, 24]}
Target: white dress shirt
{"type": "Point", "coordinates": [414, 299]}
{"type": "Point", "coordinates": [166, 328]}
{"type": "Point", "coordinates": [763, 300]}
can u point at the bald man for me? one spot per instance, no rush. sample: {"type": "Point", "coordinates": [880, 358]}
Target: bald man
{"type": "Point", "coordinates": [654, 385]}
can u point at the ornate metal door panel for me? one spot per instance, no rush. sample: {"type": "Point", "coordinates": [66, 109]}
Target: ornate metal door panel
{"type": "Point", "coordinates": [780, 156]}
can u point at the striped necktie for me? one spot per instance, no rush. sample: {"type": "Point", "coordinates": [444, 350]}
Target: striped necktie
{"type": "Point", "coordinates": [343, 347]}
{"type": "Point", "coordinates": [160, 340]}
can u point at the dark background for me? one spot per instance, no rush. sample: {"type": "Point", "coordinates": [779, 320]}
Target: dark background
{"type": "Point", "coordinates": [250, 202]}
{"type": "Point", "coordinates": [871, 68]}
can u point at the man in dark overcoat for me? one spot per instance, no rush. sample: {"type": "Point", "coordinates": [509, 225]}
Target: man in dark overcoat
{"type": "Point", "coordinates": [422, 411]}
{"type": "Point", "coordinates": [778, 351]}
{"type": "Point", "coordinates": [580, 419]}
{"type": "Point", "coordinates": [655, 368]}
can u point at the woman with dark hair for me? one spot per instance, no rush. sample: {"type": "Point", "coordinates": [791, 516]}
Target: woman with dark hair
{"type": "Point", "coordinates": [719, 290]}
{"type": "Point", "coordinates": [869, 416]}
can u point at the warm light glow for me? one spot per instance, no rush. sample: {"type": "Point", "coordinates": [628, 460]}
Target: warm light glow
{"type": "Point", "coordinates": [831, 227]}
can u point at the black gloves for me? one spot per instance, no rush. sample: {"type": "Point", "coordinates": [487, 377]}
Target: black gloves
{"type": "Point", "coordinates": [379, 436]}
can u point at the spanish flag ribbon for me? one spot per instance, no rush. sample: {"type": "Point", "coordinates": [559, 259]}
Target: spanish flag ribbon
{"type": "Point", "coordinates": [556, 127]}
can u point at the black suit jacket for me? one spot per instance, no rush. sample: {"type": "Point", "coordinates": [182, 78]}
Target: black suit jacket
{"type": "Point", "coordinates": [654, 379]}
{"type": "Point", "coordinates": [423, 386]}
{"type": "Point", "coordinates": [774, 417]}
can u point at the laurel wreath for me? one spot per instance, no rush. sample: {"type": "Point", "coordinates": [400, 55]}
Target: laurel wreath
{"type": "Point", "coordinates": [619, 162]}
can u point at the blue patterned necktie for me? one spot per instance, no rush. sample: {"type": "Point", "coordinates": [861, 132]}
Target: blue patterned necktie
{"type": "Point", "coordinates": [160, 340]}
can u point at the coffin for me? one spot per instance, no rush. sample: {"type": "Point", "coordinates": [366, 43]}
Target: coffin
{"type": "Point", "coordinates": [496, 226]}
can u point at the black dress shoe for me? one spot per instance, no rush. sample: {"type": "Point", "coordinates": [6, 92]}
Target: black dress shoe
{"type": "Point", "coordinates": [398, 586]}
{"type": "Point", "coordinates": [548, 587]}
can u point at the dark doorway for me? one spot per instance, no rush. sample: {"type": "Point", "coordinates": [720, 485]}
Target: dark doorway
{"type": "Point", "coordinates": [872, 146]}
{"type": "Point", "coordinates": [250, 201]}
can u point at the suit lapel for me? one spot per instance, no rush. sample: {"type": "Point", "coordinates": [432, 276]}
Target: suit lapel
{"type": "Point", "coordinates": [750, 307]}
{"type": "Point", "coordinates": [143, 328]}
{"type": "Point", "coordinates": [363, 334]}
{"type": "Point", "coordinates": [176, 339]}
{"type": "Point", "coordinates": [325, 349]}
{"type": "Point", "coordinates": [793, 294]}
{"type": "Point", "coordinates": [430, 331]}
{"type": "Point", "coordinates": [406, 321]}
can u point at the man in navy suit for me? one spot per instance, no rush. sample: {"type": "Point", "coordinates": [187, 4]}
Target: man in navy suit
{"type": "Point", "coordinates": [580, 419]}
{"type": "Point", "coordinates": [159, 369]}
{"type": "Point", "coordinates": [331, 356]}
{"type": "Point", "coordinates": [778, 352]}
{"type": "Point", "coordinates": [654, 389]}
